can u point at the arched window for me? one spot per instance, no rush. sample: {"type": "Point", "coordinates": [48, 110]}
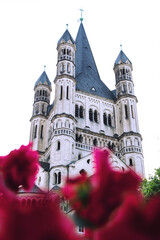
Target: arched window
{"type": "Point", "coordinates": [43, 108]}
{"type": "Point", "coordinates": [68, 68]}
{"type": "Point", "coordinates": [58, 145]}
{"type": "Point", "coordinates": [59, 177]}
{"type": "Point", "coordinates": [39, 180]}
{"type": "Point", "coordinates": [81, 112]}
{"type": "Point", "coordinates": [95, 116]}
{"type": "Point", "coordinates": [109, 120]}
{"type": "Point", "coordinates": [82, 172]}
{"type": "Point", "coordinates": [132, 111]}
{"type": "Point", "coordinates": [76, 110]}
{"type": "Point", "coordinates": [109, 145]}
{"type": "Point", "coordinates": [130, 162]}
{"type": "Point", "coordinates": [61, 92]}
{"type": "Point", "coordinates": [77, 138]}
{"type": "Point", "coordinates": [91, 115]}
{"type": "Point", "coordinates": [41, 131]}
{"type": "Point", "coordinates": [35, 132]}
{"type": "Point", "coordinates": [95, 142]}
{"type": "Point", "coordinates": [126, 111]}
{"type": "Point", "coordinates": [105, 118]}
{"type": "Point", "coordinates": [67, 92]}
{"type": "Point", "coordinates": [80, 139]}
{"type": "Point", "coordinates": [55, 178]}
{"type": "Point", "coordinates": [79, 156]}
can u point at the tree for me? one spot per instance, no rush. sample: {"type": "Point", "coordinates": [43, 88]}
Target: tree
{"type": "Point", "coordinates": [152, 186]}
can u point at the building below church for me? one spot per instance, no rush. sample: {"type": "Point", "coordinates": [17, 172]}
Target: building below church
{"type": "Point", "coordinates": [84, 114]}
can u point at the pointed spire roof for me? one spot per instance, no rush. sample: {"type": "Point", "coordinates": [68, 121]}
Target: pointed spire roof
{"type": "Point", "coordinates": [66, 37]}
{"type": "Point", "coordinates": [122, 57]}
{"type": "Point", "coordinates": [44, 80]}
{"type": "Point", "coordinates": [87, 76]}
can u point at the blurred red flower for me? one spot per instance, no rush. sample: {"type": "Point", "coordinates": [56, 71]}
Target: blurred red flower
{"type": "Point", "coordinates": [19, 168]}
{"type": "Point", "coordinates": [96, 198]}
{"type": "Point", "coordinates": [136, 219]}
{"type": "Point", "coordinates": [41, 222]}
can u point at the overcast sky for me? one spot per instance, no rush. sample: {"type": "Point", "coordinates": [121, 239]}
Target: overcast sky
{"type": "Point", "coordinates": [29, 31]}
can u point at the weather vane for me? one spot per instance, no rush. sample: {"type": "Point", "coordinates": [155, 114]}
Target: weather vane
{"type": "Point", "coordinates": [121, 46]}
{"type": "Point", "coordinates": [81, 19]}
{"type": "Point", "coordinates": [44, 67]}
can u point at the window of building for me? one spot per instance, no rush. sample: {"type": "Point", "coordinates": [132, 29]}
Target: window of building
{"type": "Point", "coordinates": [80, 139]}
{"type": "Point", "coordinates": [95, 116]}
{"type": "Point", "coordinates": [109, 120]}
{"type": "Point", "coordinates": [61, 92]}
{"type": "Point", "coordinates": [67, 92]}
{"type": "Point", "coordinates": [81, 228]}
{"type": "Point", "coordinates": [76, 110]}
{"type": "Point", "coordinates": [41, 131]}
{"type": "Point", "coordinates": [79, 156]}
{"type": "Point", "coordinates": [59, 177]}
{"type": "Point", "coordinates": [130, 162]}
{"type": "Point", "coordinates": [132, 112]}
{"type": "Point", "coordinates": [55, 178]}
{"type": "Point", "coordinates": [39, 180]}
{"type": "Point", "coordinates": [58, 145]}
{"type": "Point", "coordinates": [82, 172]}
{"type": "Point", "coordinates": [95, 142]}
{"type": "Point", "coordinates": [91, 115]}
{"type": "Point", "coordinates": [126, 111]}
{"type": "Point", "coordinates": [105, 118]}
{"type": "Point", "coordinates": [35, 132]}
{"type": "Point", "coordinates": [81, 112]}
{"type": "Point", "coordinates": [68, 68]}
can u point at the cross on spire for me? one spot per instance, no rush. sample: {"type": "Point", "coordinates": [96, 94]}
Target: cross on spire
{"type": "Point", "coordinates": [121, 46]}
{"type": "Point", "coordinates": [44, 67]}
{"type": "Point", "coordinates": [67, 26]}
{"type": "Point", "coordinates": [81, 19]}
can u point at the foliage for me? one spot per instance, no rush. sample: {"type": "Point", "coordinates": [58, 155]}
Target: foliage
{"type": "Point", "coordinates": [152, 186]}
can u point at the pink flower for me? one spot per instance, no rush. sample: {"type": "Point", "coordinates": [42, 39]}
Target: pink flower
{"type": "Point", "coordinates": [96, 198]}
{"type": "Point", "coordinates": [20, 167]}
{"type": "Point", "coordinates": [41, 222]}
{"type": "Point", "coordinates": [134, 220]}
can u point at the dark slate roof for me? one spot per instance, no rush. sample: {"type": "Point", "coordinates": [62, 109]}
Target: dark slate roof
{"type": "Point", "coordinates": [45, 165]}
{"type": "Point", "coordinates": [122, 57]}
{"type": "Point", "coordinates": [49, 108]}
{"type": "Point", "coordinates": [35, 189]}
{"type": "Point", "coordinates": [87, 76]}
{"type": "Point", "coordinates": [66, 37]}
{"type": "Point", "coordinates": [43, 79]}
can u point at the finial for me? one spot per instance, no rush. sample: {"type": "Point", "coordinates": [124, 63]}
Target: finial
{"type": "Point", "coordinates": [121, 46]}
{"type": "Point", "coordinates": [44, 67]}
{"type": "Point", "coordinates": [81, 19]}
{"type": "Point", "coordinates": [66, 26]}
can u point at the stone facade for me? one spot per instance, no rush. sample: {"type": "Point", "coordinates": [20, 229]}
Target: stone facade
{"type": "Point", "coordinates": [84, 114]}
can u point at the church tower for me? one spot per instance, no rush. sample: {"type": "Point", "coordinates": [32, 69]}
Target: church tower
{"type": "Point", "coordinates": [127, 120]}
{"type": "Point", "coordinates": [63, 140]}
{"type": "Point", "coordinates": [84, 114]}
{"type": "Point", "coordinates": [39, 120]}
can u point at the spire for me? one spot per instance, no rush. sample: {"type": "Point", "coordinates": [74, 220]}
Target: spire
{"type": "Point", "coordinates": [81, 19]}
{"type": "Point", "coordinates": [87, 76]}
{"type": "Point", "coordinates": [66, 37]}
{"type": "Point", "coordinates": [122, 57]}
{"type": "Point", "coordinates": [43, 80]}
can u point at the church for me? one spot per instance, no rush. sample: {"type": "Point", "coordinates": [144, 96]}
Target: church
{"type": "Point", "coordinates": [84, 115]}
